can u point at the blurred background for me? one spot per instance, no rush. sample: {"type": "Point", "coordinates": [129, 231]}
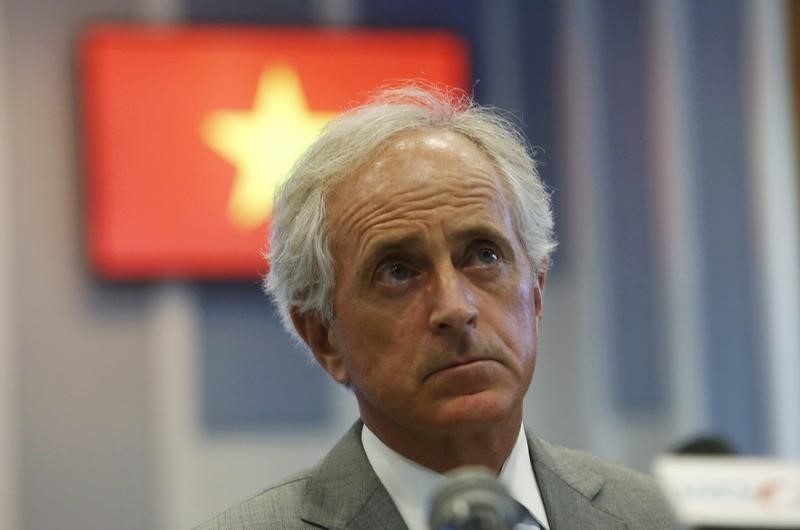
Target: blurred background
{"type": "Point", "coordinates": [665, 128]}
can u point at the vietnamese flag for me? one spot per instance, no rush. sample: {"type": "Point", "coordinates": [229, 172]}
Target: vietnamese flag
{"type": "Point", "coordinates": [187, 130]}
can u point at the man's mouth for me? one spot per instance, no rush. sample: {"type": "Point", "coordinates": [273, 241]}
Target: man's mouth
{"type": "Point", "coordinates": [458, 364]}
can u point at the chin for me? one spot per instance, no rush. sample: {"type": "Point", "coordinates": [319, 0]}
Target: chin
{"type": "Point", "coordinates": [477, 412]}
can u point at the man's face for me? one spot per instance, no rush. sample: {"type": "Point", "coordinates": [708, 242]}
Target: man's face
{"type": "Point", "coordinates": [436, 307]}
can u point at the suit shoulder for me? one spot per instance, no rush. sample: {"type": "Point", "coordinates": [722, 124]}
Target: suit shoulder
{"type": "Point", "coordinates": [626, 494]}
{"type": "Point", "coordinates": [613, 474]}
{"type": "Point", "coordinates": [277, 507]}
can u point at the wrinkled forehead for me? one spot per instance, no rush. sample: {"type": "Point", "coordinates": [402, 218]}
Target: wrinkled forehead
{"type": "Point", "coordinates": [411, 160]}
{"type": "Point", "coordinates": [412, 176]}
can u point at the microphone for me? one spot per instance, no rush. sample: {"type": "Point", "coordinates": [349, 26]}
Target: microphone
{"type": "Point", "coordinates": [708, 445]}
{"type": "Point", "coordinates": [473, 499]}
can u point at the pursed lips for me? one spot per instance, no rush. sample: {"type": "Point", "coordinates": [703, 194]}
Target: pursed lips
{"type": "Point", "coordinates": [457, 364]}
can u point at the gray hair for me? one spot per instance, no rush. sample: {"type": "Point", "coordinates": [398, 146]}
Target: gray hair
{"type": "Point", "coordinates": [301, 273]}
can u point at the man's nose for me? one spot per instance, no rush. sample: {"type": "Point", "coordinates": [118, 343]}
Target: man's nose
{"type": "Point", "coordinates": [453, 308]}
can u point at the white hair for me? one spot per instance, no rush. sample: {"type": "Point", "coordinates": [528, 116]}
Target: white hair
{"type": "Point", "coordinates": [301, 275]}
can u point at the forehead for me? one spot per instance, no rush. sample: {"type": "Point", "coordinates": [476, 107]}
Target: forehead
{"type": "Point", "coordinates": [423, 157]}
{"type": "Point", "coordinates": [421, 178]}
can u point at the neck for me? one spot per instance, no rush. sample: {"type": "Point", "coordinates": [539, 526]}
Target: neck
{"type": "Point", "coordinates": [442, 451]}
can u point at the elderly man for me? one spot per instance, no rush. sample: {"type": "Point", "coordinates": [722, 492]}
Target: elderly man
{"type": "Point", "coordinates": [409, 251]}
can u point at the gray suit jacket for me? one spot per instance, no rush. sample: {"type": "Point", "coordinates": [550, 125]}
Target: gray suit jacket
{"type": "Point", "coordinates": [580, 492]}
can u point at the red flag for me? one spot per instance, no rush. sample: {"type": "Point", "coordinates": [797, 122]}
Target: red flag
{"type": "Point", "coordinates": [188, 129]}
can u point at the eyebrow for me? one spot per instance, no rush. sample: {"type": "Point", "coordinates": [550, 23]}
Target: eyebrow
{"type": "Point", "coordinates": [489, 232]}
{"type": "Point", "coordinates": [390, 245]}
{"type": "Point", "coordinates": [410, 242]}
{"type": "Point", "coordinates": [483, 231]}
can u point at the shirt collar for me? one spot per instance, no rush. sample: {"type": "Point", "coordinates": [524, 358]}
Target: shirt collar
{"type": "Point", "coordinates": [518, 477]}
{"type": "Point", "coordinates": [411, 485]}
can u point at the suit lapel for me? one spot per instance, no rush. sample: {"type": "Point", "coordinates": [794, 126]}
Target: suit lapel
{"type": "Point", "coordinates": [379, 512]}
{"type": "Point", "coordinates": [568, 490]}
{"type": "Point", "coordinates": [344, 492]}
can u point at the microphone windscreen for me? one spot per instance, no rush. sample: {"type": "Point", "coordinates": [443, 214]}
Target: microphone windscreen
{"type": "Point", "coordinates": [705, 445]}
{"type": "Point", "coordinates": [473, 499]}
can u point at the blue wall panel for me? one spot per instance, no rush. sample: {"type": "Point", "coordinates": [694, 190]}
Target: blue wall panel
{"type": "Point", "coordinates": [537, 32]}
{"type": "Point", "coordinates": [251, 11]}
{"type": "Point", "coordinates": [735, 388]}
{"type": "Point", "coordinates": [637, 349]}
{"type": "Point", "coordinates": [253, 376]}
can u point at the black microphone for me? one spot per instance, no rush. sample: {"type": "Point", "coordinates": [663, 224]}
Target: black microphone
{"type": "Point", "coordinates": [705, 445]}
{"type": "Point", "coordinates": [473, 499]}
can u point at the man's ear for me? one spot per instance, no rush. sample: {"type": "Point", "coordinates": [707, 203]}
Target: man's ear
{"type": "Point", "coordinates": [538, 295]}
{"type": "Point", "coordinates": [319, 337]}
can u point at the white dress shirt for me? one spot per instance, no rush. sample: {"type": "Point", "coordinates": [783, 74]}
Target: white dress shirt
{"type": "Point", "coordinates": [411, 485]}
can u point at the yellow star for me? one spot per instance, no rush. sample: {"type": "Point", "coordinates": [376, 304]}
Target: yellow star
{"type": "Point", "coordinates": [263, 143]}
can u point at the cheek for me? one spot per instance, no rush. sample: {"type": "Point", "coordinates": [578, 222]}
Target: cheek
{"type": "Point", "coordinates": [519, 320]}
{"type": "Point", "coordinates": [368, 334]}
{"type": "Point", "coordinates": [383, 345]}
{"type": "Point", "coordinates": [371, 319]}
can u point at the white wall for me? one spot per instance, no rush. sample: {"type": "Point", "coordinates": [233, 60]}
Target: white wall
{"type": "Point", "coordinates": [9, 429]}
{"type": "Point", "coordinates": [78, 345]}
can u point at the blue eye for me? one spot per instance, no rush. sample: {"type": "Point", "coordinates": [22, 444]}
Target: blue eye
{"type": "Point", "coordinates": [487, 255]}
{"type": "Point", "coordinates": [394, 273]}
